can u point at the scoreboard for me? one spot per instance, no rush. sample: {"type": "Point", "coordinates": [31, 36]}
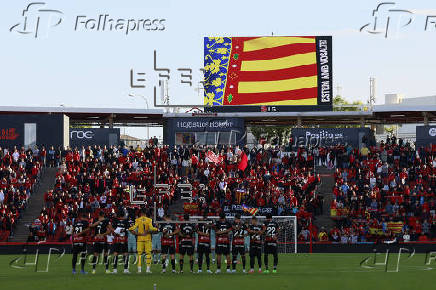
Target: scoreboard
{"type": "Point", "coordinates": [274, 73]}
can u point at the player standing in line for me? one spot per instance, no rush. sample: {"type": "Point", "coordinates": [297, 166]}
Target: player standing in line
{"type": "Point", "coordinates": [80, 228]}
{"type": "Point", "coordinates": [186, 244]}
{"type": "Point", "coordinates": [222, 230]}
{"type": "Point", "coordinates": [102, 228]}
{"type": "Point", "coordinates": [131, 238]}
{"type": "Point", "coordinates": [143, 228]}
{"type": "Point", "coordinates": [120, 226]}
{"type": "Point", "coordinates": [238, 244]}
{"type": "Point", "coordinates": [203, 249]}
{"type": "Point", "coordinates": [168, 243]}
{"type": "Point", "coordinates": [156, 247]}
{"type": "Point", "coordinates": [255, 232]}
{"type": "Point", "coordinates": [271, 229]}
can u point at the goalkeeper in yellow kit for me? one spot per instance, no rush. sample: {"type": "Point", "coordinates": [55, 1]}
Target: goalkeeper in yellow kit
{"type": "Point", "coordinates": [143, 228]}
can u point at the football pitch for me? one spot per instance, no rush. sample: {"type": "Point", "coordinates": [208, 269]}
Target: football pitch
{"type": "Point", "coordinates": [295, 271]}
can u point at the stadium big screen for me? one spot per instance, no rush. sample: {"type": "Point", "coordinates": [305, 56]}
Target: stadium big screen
{"type": "Point", "coordinates": [268, 74]}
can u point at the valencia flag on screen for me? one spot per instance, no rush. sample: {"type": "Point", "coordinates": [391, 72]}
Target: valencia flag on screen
{"type": "Point", "coordinates": [284, 72]}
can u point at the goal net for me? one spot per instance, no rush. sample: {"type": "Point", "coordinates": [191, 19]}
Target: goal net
{"type": "Point", "coordinates": [287, 236]}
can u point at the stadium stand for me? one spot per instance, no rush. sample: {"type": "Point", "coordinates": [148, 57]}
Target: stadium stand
{"type": "Point", "coordinates": [384, 193]}
{"type": "Point", "coordinates": [96, 178]}
{"type": "Point", "coordinates": [19, 173]}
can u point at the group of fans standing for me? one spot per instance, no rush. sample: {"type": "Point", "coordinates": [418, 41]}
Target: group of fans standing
{"type": "Point", "coordinates": [122, 231]}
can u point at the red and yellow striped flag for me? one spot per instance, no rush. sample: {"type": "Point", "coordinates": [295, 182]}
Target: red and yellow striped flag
{"type": "Point", "coordinates": [250, 210]}
{"type": "Point", "coordinates": [258, 71]}
{"type": "Point", "coordinates": [395, 227]}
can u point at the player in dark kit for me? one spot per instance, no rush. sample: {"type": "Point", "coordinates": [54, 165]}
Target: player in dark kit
{"type": "Point", "coordinates": [222, 230]}
{"type": "Point", "coordinates": [131, 238]}
{"type": "Point", "coordinates": [203, 249]}
{"type": "Point", "coordinates": [186, 244]}
{"type": "Point", "coordinates": [102, 228]}
{"type": "Point", "coordinates": [168, 243]}
{"type": "Point", "coordinates": [238, 244]}
{"type": "Point", "coordinates": [271, 229]}
{"type": "Point", "coordinates": [119, 247]}
{"type": "Point", "coordinates": [80, 228]}
{"type": "Point", "coordinates": [255, 230]}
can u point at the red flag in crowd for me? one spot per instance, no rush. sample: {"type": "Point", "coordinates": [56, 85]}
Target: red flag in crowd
{"type": "Point", "coordinates": [244, 162]}
{"type": "Point", "coordinates": [213, 157]}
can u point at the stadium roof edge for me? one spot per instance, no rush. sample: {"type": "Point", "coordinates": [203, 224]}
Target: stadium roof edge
{"type": "Point", "coordinates": [83, 110]}
{"type": "Point", "coordinates": [132, 111]}
{"type": "Point", "coordinates": [380, 114]}
{"type": "Point", "coordinates": [404, 108]}
{"type": "Point", "coordinates": [278, 114]}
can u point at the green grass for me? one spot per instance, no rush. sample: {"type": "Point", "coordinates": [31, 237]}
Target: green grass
{"type": "Point", "coordinates": [301, 271]}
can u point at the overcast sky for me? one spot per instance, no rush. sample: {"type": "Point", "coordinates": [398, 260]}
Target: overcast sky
{"type": "Point", "coordinates": [89, 68]}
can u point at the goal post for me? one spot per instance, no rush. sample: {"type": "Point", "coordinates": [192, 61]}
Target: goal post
{"type": "Point", "coordinates": [287, 236]}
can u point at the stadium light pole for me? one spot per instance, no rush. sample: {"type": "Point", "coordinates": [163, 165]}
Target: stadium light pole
{"type": "Point", "coordinates": [146, 103]}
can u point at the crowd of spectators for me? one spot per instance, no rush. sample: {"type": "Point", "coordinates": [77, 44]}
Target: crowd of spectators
{"type": "Point", "coordinates": [19, 171]}
{"type": "Point", "coordinates": [99, 178]}
{"type": "Point", "coordinates": [384, 193]}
